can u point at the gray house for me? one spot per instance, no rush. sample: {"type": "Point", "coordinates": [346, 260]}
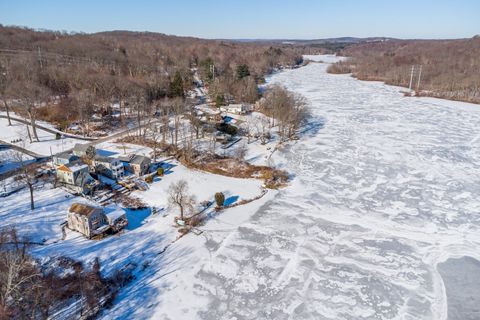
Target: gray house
{"type": "Point", "coordinates": [84, 150]}
{"type": "Point", "coordinates": [64, 158]}
{"type": "Point", "coordinates": [108, 167]}
{"type": "Point", "coordinates": [137, 164]}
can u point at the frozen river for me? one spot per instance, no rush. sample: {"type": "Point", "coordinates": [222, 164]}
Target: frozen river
{"type": "Point", "coordinates": [386, 187]}
{"type": "Point", "coordinates": [381, 220]}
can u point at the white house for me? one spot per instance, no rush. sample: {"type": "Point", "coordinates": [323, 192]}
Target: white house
{"type": "Point", "coordinates": [236, 108]}
{"type": "Point", "coordinates": [108, 166]}
{"type": "Point", "coordinates": [76, 177]}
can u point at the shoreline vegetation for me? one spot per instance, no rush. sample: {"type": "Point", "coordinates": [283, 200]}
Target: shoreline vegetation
{"type": "Point", "coordinates": [446, 69]}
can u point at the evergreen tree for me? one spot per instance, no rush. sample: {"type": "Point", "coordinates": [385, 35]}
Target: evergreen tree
{"type": "Point", "coordinates": [176, 86]}
{"type": "Point", "coordinates": [242, 71]}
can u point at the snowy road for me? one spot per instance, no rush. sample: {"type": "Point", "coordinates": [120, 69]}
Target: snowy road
{"type": "Point", "coordinates": [385, 189]}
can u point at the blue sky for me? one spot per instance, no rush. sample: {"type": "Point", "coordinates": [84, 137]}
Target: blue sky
{"type": "Point", "coordinates": [267, 19]}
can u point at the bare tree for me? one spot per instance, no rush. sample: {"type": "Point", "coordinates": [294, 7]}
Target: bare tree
{"type": "Point", "coordinates": [17, 269]}
{"type": "Point", "coordinates": [178, 195]}
{"type": "Point", "coordinates": [33, 95]}
{"type": "Point", "coordinates": [286, 107]}
{"type": "Point", "coordinates": [241, 151]}
{"type": "Point", "coordinates": [85, 101]}
{"type": "Point", "coordinates": [27, 174]}
{"type": "Point", "coordinates": [178, 109]}
{"type": "Point", "coordinates": [4, 81]}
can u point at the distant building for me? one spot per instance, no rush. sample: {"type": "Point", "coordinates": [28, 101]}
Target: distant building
{"type": "Point", "coordinates": [64, 158]}
{"type": "Point", "coordinates": [75, 176]}
{"type": "Point", "coordinates": [137, 164]}
{"type": "Point", "coordinates": [84, 150]}
{"type": "Point", "coordinates": [86, 219]}
{"type": "Point", "coordinates": [236, 108]}
{"type": "Point", "coordinates": [108, 166]}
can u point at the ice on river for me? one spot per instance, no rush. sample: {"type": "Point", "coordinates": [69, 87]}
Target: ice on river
{"type": "Point", "coordinates": [385, 188]}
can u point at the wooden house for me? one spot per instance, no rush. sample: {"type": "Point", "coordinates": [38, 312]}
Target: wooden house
{"type": "Point", "coordinates": [86, 219]}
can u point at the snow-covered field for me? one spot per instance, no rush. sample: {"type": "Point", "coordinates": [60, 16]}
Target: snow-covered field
{"type": "Point", "coordinates": [47, 144]}
{"type": "Point", "coordinates": [386, 188]}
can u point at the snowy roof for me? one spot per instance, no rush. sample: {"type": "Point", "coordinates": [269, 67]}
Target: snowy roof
{"type": "Point", "coordinates": [138, 159]}
{"type": "Point", "coordinates": [104, 159]}
{"type": "Point", "coordinates": [83, 209]}
{"type": "Point", "coordinates": [65, 155]}
{"type": "Point", "coordinates": [113, 213]}
{"type": "Point", "coordinates": [81, 146]}
{"type": "Point", "coordinates": [75, 166]}
{"type": "Point", "coordinates": [126, 158]}
{"type": "Point", "coordinates": [207, 109]}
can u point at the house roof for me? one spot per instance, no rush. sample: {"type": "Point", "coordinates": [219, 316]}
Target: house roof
{"type": "Point", "coordinates": [126, 158]}
{"type": "Point", "coordinates": [75, 166]}
{"type": "Point", "coordinates": [65, 155]}
{"type": "Point", "coordinates": [104, 159]}
{"type": "Point", "coordinates": [138, 159]}
{"type": "Point", "coordinates": [64, 168]}
{"type": "Point", "coordinates": [113, 213]}
{"type": "Point", "coordinates": [81, 146]}
{"type": "Point", "coordinates": [83, 209]}
{"type": "Point", "coordinates": [84, 178]}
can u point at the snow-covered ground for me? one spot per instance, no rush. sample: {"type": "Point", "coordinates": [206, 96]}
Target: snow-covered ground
{"type": "Point", "coordinates": [386, 187]}
{"type": "Point", "coordinates": [48, 143]}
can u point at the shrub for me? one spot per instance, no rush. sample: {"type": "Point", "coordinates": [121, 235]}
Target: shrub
{"type": "Point", "coordinates": [58, 136]}
{"type": "Point", "coordinates": [149, 179]}
{"type": "Point", "coordinates": [160, 171]}
{"type": "Point", "coordinates": [219, 199]}
{"type": "Point", "coordinates": [219, 100]}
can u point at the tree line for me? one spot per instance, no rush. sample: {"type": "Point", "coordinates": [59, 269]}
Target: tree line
{"type": "Point", "coordinates": [62, 77]}
{"type": "Point", "coordinates": [450, 68]}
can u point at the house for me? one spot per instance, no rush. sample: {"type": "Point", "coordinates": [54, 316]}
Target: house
{"type": "Point", "coordinates": [64, 158]}
{"type": "Point", "coordinates": [84, 150]}
{"type": "Point", "coordinates": [108, 166]}
{"type": "Point", "coordinates": [137, 164]}
{"type": "Point", "coordinates": [236, 108]}
{"type": "Point", "coordinates": [86, 219]}
{"type": "Point", "coordinates": [76, 177]}
{"type": "Point", "coordinates": [116, 218]}
{"type": "Point", "coordinates": [207, 114]}
{"type": "Point", "coordinates": [90, 220]}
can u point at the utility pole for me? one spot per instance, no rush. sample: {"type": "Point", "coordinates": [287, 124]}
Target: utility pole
{"type": "Point", "coordinates": [40, 58]}
{"type": "Point", "coordinates": [411, 78]}
{"type": "Point", "coordinates": [419, 77]}
{"type": "Point", "coordinates": [212, 70]}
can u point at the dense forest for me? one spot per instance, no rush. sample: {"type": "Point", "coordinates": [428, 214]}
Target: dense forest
{"type": "Point", "coordinates": [70, 75]}
{"type": "Point", "coordinates": [446, 68]}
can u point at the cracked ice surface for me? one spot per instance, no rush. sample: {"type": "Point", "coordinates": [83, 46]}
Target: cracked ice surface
{"type": "Point", "coordinates": [385, 188]}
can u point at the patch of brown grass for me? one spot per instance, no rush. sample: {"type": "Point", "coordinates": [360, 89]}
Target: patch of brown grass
{"type": "Point", "coordinates": [235, 168]}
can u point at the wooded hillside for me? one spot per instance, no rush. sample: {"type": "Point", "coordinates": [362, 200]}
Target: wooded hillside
{"type": "Point", "coordinates": [450, 68]}
{"type": "Point", "coordinates": [82, 70]}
